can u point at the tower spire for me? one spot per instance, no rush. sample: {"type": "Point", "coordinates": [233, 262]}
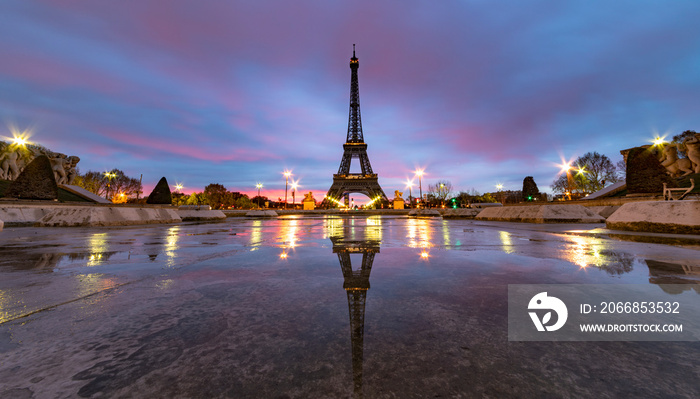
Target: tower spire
{"type": "Point", "coordinates": [354, 120]}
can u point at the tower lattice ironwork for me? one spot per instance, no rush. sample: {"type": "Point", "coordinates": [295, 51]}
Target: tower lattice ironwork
{"type": "Point", "coordinates": [366, 182]}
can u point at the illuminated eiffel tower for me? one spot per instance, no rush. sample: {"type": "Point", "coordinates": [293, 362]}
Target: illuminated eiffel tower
{"type": "Point", "coordinates": [345, 182]}
{"type": "Point", "coordinates": [356, 284]}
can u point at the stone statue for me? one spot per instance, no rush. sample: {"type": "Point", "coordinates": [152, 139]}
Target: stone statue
{"type": "Point", "coordinates": [10, 165]}
{"type": "Point", "coordinates": [398, 195]}
{"type": "Point", "coordinates": [692, 148]}
{"type": "Point", "coordinates": [674, 165]}
{"type": "Point", "coordinates": [13, 159]}
{"type": "Point", "coordinates": [309, 197]}
{"type": "Point", "coordinates": [72, 169]}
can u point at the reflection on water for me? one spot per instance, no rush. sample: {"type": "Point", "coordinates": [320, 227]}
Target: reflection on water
{"type": "Point", "coordinates": [97, 243]}
{"type": "Point", "coordinates": [356, 285]}
{"type": "Point", "coordinates": [585, 251]}
{"type": "Point", "coordinates": [353, 228]}
{"type": "Point", "coordinates": [673, 273]}
{"type": "Point", "coordinates": [171, 246]}
{"type": "Point", "coordinates": [506, 243]}
{"type": "Point", "coordinates": [419, 233]}
{"type": "Point", "coordinates": [91, 283]}
{"type": "Point", "coordinates": [255, 234]}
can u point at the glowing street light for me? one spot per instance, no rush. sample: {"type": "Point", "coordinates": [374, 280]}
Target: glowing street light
{"type": "Point", "coordinates": [659, 141]}
{"type": "Point", "coordinates": [409, 184]}
{"type": "Point", "coordinates": [179, 187]}
{"type": "Point", "coordinates": [287, 173]}
{"type": "Point", "coordinates": [566, 167]}
{"type": "Point", "coordinates": [419, 173]}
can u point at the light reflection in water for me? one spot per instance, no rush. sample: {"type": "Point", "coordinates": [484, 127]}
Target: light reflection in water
{"type": "Point", "coordinates": [256, 234]}
{"type": "Point", "coordinates": [506, 242]}
{"type": "Point", "coordinates": [445, 233]}
{"type": "Point", "coordinates": [98, 248]}
{"type": "Point", "coordinates": [95, 282]}
{"type": "Point", "coordinates": [171, 246]}
{"type": "Point", "coordinates": [585, 251]}
{"type": "Point", "coordinates": [419, 233]}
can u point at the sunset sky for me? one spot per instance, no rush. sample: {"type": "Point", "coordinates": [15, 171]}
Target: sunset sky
{"type": "Point", "coordinates": [235, 92]}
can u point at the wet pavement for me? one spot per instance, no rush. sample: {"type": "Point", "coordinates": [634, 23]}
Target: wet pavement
{"type": "Point", "coordinates": [322, 307]}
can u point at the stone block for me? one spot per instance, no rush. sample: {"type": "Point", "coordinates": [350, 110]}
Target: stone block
{"type": "Point", "coordinates": [200, 214]}
{"type": "Point", "coordinates": [681, 217]}
{"type": "Point", "coordinates": [460, 213]}
{"type": "Point", "coordinates": [106, 216]}
{"type": "Point", "coordinates": [424, 213]}
{"type": "Point", "coordinates": [261, 214]}
{"type": "Point", "coordinates": [398, 204]}
{"type": "Point", "coordinates": [541, 214]}
{"type": "Point", "coordinates": [603, 210]}
{"type": "Point", "coordinates": [23, 214]}
{"type": "Point", "coordinates": [309, 205]}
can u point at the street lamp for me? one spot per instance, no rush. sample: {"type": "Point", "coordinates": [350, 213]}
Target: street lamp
{"type": "Point", "coordinates": [499, 187]}
{"type": "Point", "coordinates": [419, 173]}
{"type": "Point", "coordinates": [109, 176]}
{"type": "Point", "coordinates": [258, 186]}
{"type": "Point", "coordinates": [287, 173]}
{"type": "Point", "coordinates": [566, 167]}
{"type": "Point", "coordinates": [295, 184]}
{"type": "Point", "coordinates": [409, 184]}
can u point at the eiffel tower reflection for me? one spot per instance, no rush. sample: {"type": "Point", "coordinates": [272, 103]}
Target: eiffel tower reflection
{"type": "Point", "coordinates": [356, 284]}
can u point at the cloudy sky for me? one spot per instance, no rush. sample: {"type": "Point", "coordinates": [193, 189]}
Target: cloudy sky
{"type": "Point", "coordinates": [235, 92]}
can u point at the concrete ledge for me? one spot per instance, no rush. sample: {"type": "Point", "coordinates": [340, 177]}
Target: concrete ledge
{"type": "Point", "coordinates": [460, 213]}
{"type": "Point", "coordinates": [422, 213]}
{"type": "Point", "coordinates": [199, 212]}
{"type": "Point", "coordinates": [262, 214]}
{"type": "Point", "coordinates": [604, 211]}
{"type": "Point", "coordinates": [106, 216]}
{"type": "Point", "coordinates": [679, 217]}
{"type": "Point", "coordinates": [18, 215]}
{"type": "Point", "coordinates": [541, 214]}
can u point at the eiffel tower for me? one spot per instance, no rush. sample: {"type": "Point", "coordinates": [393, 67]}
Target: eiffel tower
{"type": "Point", "coordinates": [356, 284]}
{"type": "Point", "coordinates": [344, 182]}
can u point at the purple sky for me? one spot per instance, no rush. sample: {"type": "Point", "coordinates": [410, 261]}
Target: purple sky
{"type": "Point", "coordinates": [233, 92]}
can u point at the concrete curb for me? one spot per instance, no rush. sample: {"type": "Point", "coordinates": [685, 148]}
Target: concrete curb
{"type": "Point", "coordinates": [679, 217]}
{"type": "Point", "coordinates": [107, 216]}
{"type": "Point", "coordinates": [541, 214]}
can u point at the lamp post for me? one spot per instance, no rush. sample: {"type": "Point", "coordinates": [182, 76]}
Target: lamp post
{"type": "Point", "coordinates": [419, 173]}
{"type": "Point", "coordinates": [566, 167]}
{"type": "Point", "coordinates": [295, 184]}
{"type": "Point", "coordinates": [287, 173]}
{"type": "Point", "coordinates": [109, 176]}
{"type": "Point", "coordinates": [499, 187]}
{"type": "Point", "coordinates": [409, 184]}
{"type": "Point", "coordinates": [259, 186]}
{"type": "Point", "coordinates": [178, 189]}
{"type": "Point", "coordinates": [442, 194]}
